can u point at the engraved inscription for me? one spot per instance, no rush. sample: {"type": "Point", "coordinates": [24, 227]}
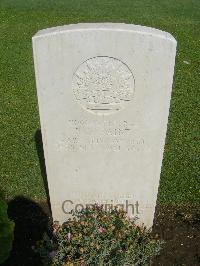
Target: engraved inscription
{"type": "Point", "coordinates": [103, 85]}
{"type": "Point", "coordinates": [104, 127]}
{"type": "Point", "coordinates": [96, 144]}
{"type": "Point", "coordinates": [90, 196]}
{"type": "Point", "coordinates": [104, 136]}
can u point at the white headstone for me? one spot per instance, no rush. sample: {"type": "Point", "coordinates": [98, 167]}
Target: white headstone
{"type": "Point", "coordinates": [104, 95]}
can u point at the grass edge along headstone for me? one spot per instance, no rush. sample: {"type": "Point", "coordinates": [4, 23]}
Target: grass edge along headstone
{"type": "Point", "coordinates": [104, 94]}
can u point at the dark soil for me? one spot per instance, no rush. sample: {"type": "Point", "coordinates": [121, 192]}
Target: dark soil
{"type": "Point", "coordinates": [177, 226]}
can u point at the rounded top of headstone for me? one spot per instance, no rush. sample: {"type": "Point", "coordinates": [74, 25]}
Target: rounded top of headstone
{"type": "Point", "coordinates": [106, 26]}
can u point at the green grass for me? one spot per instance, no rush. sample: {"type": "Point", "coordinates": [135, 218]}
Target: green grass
{"type": "Point", "coordinates": [19, 119]}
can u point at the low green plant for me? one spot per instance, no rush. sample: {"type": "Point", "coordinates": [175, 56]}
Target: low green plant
{"type": "Point", "coordinates": [6, 231]}
{"type": "Point", "coordinates": [95, 236]}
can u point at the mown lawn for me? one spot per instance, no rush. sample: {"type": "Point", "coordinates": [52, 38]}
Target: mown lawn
{"type": "Point", "coordinates": [20, 172]}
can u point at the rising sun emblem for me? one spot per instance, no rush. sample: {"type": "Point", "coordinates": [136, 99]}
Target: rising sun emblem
{"type": "Point", "coordinates": [103, 85]}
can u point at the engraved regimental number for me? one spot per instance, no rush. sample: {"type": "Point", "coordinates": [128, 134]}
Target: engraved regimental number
{"type": "Point", "coordinates": [103, 85]}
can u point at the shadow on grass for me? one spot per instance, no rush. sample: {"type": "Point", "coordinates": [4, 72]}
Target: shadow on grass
{"type": "Point", "coordinates": [30, 220]}
{"type": "Point", "coordinates": [40, 152]}
{"type": "Point", "coordinates": [30, 224]}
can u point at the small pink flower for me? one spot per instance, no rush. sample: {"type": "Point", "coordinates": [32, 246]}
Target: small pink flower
{"type": "Point", "coordinates": [128, 217]}
{"type": "Point", "coordinates": [99, 206]}
{"type": "Point", "coordinates": [52, 254]}
{"type": "Point", "coordinates": [69, 236]}
{"type": "Point", "coordinates": [101, 230]}
{"type": "Point", "coordinates": [94, 215]}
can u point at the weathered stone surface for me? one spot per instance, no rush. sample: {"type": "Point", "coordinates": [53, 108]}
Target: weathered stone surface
{"type": "Point", "coordinates": [104, 94]}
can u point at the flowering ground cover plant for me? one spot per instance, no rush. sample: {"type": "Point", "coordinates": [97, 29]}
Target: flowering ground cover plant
{"type": "Point", "coordinates": [98, 237]}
